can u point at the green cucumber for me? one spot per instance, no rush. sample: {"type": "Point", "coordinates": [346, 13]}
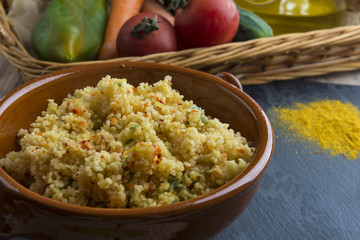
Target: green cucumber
{"type": "Point", "coordinates": [251, 26]}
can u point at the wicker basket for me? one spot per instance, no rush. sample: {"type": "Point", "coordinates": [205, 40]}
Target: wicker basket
{"type": "Point", "coordinates": [254, 62]}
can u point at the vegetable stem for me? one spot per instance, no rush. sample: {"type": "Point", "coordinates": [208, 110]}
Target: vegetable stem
{"type": "Point", "coordinates": [156, 7]}
{"type": "Point", "coordinates": [176, 4]}
{"type": "Point", "coordinates": [147, 26]}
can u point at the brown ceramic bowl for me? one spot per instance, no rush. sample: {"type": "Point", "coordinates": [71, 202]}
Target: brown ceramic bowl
{"type": "Point", "coordinates": [28, 214]}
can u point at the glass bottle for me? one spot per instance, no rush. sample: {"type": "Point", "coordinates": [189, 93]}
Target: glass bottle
{"type": "Point", "coordinates": [287, 16]}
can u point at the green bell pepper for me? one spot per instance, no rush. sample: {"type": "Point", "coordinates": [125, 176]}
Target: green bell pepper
{"type": "Point", "coordinates": [70, 30]}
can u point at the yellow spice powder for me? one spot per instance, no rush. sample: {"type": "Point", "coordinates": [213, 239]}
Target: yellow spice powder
{"type": "Point", "coordinates": [334, 125]}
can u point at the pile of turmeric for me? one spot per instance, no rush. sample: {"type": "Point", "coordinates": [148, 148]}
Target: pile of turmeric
{"type": "Point", "coordinates": [334, 125]}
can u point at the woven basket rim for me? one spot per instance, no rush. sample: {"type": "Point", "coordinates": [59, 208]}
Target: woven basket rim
{"type": "Point", "coordinates": [280, 57]}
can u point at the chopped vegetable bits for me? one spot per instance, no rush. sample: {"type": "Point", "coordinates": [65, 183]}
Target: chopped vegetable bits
{"type": "Point", "coordinates": [118, 146]}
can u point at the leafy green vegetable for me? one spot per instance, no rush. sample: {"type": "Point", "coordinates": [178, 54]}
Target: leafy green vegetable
{"type": "Point", "coordinates": [129, 141]}
{"type": "Point", "coordinates": [204, 119]}
{"type": "Point", "coordinates": [133, 127]}
{"type": "Point", "coordinates": [173, 183]}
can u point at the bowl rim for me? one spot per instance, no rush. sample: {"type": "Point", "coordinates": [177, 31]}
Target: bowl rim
{"type": "Point", "coordinates": [222, 194]}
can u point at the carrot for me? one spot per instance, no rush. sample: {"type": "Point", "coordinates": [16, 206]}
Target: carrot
{"type": "Point", "coordinates": [120, 12]}
{"type": "Point", "coordinates": [155, 7]}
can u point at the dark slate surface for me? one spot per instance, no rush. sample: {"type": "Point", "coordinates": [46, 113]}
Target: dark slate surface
{"type": "Point", "coordinates": [304, 194]}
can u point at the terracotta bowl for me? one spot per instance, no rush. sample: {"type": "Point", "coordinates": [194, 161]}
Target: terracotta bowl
{"type": "Point", "coordinates": [28, 214]}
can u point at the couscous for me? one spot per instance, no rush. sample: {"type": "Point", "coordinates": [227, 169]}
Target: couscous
{"type": "Point", "coordinates": [120, 146]}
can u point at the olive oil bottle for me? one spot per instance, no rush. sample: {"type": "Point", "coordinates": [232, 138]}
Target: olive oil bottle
{"type": "Point", "coordinates": [288, 16]}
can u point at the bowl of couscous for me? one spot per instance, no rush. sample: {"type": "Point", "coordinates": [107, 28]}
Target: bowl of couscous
{"type": "Point", "coordinates": [129, 151]}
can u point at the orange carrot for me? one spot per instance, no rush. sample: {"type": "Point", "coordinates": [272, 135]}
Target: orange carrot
{"type": "Point", "coordinates": [155, 7]}
{"type": "Point", "coordinates": [120, 12]}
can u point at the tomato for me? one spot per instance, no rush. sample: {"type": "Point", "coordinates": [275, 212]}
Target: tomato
{"type": "Point", "coordinates": [204, 23]}
{"type": "Point", "coordinates": [146, 33]}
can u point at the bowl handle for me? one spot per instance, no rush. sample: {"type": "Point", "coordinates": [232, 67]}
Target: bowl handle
{"type": "Point", "coordinates": [228, 77]}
